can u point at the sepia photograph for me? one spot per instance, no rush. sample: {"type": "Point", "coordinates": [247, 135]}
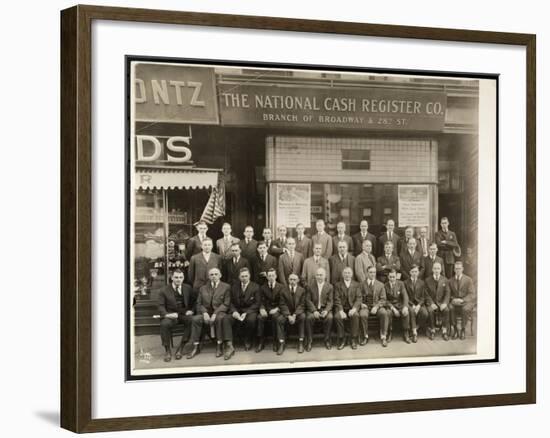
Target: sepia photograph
{"type": "Point", "coordinates": [296, 218]}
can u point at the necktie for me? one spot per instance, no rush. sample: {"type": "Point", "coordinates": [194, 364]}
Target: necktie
{"type": "Point", "coordinates": [319, 302]}
{"type": "Point", "coordinates": [179, 290]}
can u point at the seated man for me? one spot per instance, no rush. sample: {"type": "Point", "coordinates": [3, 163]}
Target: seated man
{"type": "Point", "coordinates": [386, 262]}
{"type": "Point", "coordinates": [462, 301]}
{"type": "Point", "coordinates": [374, 301]}
{"type": "Point", "coordinates": [269, 308]}
{"type": "Point", "coordinates": [347, 306]}
{"type": "Point", "coordinates": [293, 302]}
{"type": "Point", "coordinates": [176, 303]}
{"type": "Point", "coordinates": [416, 291]}
{"type": "Point", "coordinates": [245, 305]}
{"type": "Point", "coordinates": [319, 301]}
{"type": "Point", "coordinates": [397, 305]}
{"type": "Point", "coordinates": [437, 297]}
{"type": "Point", "coordinates": [213, 303]}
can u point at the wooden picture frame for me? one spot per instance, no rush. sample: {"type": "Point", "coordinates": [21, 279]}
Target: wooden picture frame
{"type": "Point", "coordinates": [76, 217]}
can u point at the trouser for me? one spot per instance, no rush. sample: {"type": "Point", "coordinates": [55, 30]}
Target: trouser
{"type": "Point", "coordinates": [443, 314]}
{"type": "Point", "coordinates": [245, 329]}
{"type": "Point", "coordinates": [460, 311]}
{"type": "Point", "coordinates": [282, 323]}
{"type": "Point", "coordinates": [405, 320]}
{"type": "Point", "coordinates": [269, 319]}
{"type": "Point", "coordinates": [418, 319]}
{"type": "Point", "coordinates": [364, 322]}
{"type": "Point", "coordinates": [353, 323]}
{"type": "Point", "coordinates": [222, 327]}
{"type": "Point", "coordinates": [326, 322]}
{"type": "Point", "coordinates": [167, 324]}
{"type": "Point", "coordinates": [384, 320]}
{"type": "Point", "coordinates": [449, 270]}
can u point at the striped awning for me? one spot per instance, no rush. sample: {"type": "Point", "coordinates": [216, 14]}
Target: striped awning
{"type": "Point", "coordinates": [175, 179]}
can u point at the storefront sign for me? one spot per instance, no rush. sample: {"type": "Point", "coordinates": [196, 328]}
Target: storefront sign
{"type": "Point", "coordinates": [172, 150]}
{"type": "Point", "coordinates": [293, 204]}
{"type": "Point", "coordinates": [332, 108]}
{"type": "Point", "coordinates": [175, 94]}
{"type": "Point", "coordinates": [414, 205]}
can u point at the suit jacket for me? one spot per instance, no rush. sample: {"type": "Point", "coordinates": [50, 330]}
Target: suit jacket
{"type": "Point", "coordinates": [276, 247]}
{"type": "Point", "coordinates": [428, 264]}
{"type": "Point", "coordinates": [383, 238]}
{"type": "Point", "coordinates": [326, 244]}
{"type": "Point", "coordinates": [198, 268]}
{"type": "Point", "coordinates": [224, 248]}
{"type": "Point", "coordinates": [337, 266]}
{"type": "Point", "coordinates": [374, 295]}
{"type": "Point", "coordinates": [248, 250]}
{"type": "Point", "coordinates": [214, 300]}
{"type": "Point", "coordinates": [437, 292]}
{"type": "Point", "coordinates": [390, 263]}
{"type": "Point", "coordinates": [259, 266]}
{"type": "Point", "coordinates": [193, 246]}
{"type": "Point", "coordinates": [358, 243]}
{"type": "Point", "coordinates": [247, 302]}
{"type": "Point", "coordinates": [168, 300]}
{"type": "Point", "coordinates": [421, 247]}
{"type": "Point", "coordinates": [446, 249]}
{"type": "Point", "coordinates": [304, 246]}
{"type": "Point", "coordinates": [288, 266]}
{"type": "Point", "coordinates": [397, 295]}
{"type": "Point", "coordinates": [407, 261]}
{"type": "Point", "coordinates": [416, 292]}
{"type": "Point", "coordinates": [336, 239]}
{"type": "Point", "coordinates": [326, 295]}
{"type": "Point", "coordinates": [309, 269]}
{"type": "Point", "coordinates": [362, 263]}
{"type": "Point", "coordinates": [347, 298]}
{"type": "Point", "coordinates": [231, 270]}
{"type": "Point", "coordinates": [463, 289]}
{"type": "Point", "coordinates": [293, 304]}
{"type": "Point", "coordinates": [270, 299]}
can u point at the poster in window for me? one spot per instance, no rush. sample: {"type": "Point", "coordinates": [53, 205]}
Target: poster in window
{"type": "Point", "coordinates": [414, 205]}
{"type": "Point", "coordinates": [293, 204]}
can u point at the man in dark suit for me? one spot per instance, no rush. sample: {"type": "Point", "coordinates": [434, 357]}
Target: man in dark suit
{"type": "Point", "coordinates": [270, 309]}
{"type": "Point", "coordinates": [341, 236]}
{"type": "Point", "coordinates": [374, 303]}
{"type": "Point", "coordinates": [273, 248]}
{"type": "Point", "coordinates": [176, 305]}
{"type": "Point", "coordinates": [319, 302]}
{"type": "Point", "coordinates": [194, 244]}
{"type": "Point", "coordinates": [438, 295]}
{"type": "Point", "coordinates": [279, 244]}
{"type": "Point", "coordinates": [290, 262]}
{"type": "Point", "coordinates": [347, 306]}
{"type": "Point", "coordinates": [462, 301]}
{"type": "Point", "coordinates": [447, 244]}
{"type": "Point", "coordinates": [416, 291]}
{"type": "Point", "coordinates": [397, 305]}
{"type": "Point", "coordinates": [409, 257]}
{"type": "Point", "coordinates": [389, 236]}
{"type": "Point", "coordinates": [245, 305]}
{"type": "Point", "coordinates": [323, 238]}
{"type": "Point", "coordinates": [343, 259]}
{"type": "Point", "coordinates": [262, 263]}
{"type": "Point", "coordinates": [402, 246]}
{"type": "Point", "coordinates": [363, 235]}
{"type": "Point", "coordinates": [213, 303]}
{"type": "Point", "coordinates": [430, 260]}
{"type": "Point", "coordinates": [387, 262]}
{"type": "Point", "coordinates": [201, 263]}
{"type": "Point", "coordinates": [233, 266]}
{"type": "Point", "coordinates": [303, 243]}
{"type": "Point", "coordinates": [293, 303]}
{"type": "Point", "coordinates": [423, 243]}
{"type": "Point", "coordinates": [248, 244]}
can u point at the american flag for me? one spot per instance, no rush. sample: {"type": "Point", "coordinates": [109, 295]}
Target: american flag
{"type": "Point", "coordinates": [215, 207]}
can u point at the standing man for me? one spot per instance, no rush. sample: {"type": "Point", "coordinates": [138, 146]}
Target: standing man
{"type": "Point", "coordinates": [272, 247]}
{"type": "Point", "coordinates": [341, 260]}
{"type": "Point", "coordinates": [447, 245]}
{"type": "Point", "coordinates": [303, 243]}
{"type": "Point", "coordinates": [245, 305]}
{"type": "Point", "coordinates": [341, 236]}
{"type": "Point", "coordinates": [233, 266]}
{"type": "Point", "coordinates": [223, 245]}
{"type": "Point", "coordinates": [194, 244]}
{"type": "Point", "coordinates": [361, 236]}
{"type": "Point", "coordinates": [311, 264]}
{"type": "Point", "coordinates": [431, 259]}
{"type": "Point", "coordinates": [416, 291]}
{"type": "Point", "coordinates": [374, 302]}
{"type": "Point", "coordinates": [263, 262]}
{"type": "Point", "coordinates": [323, 238]}
{"type": "Point", "coordinates": [397, 305]}
{"type": "Point", "coordinates": [438, 296]}
{"type": "Point", "coordinates": [290, 262]}
{"type": "Point", "coordinates": [176, 304]}
{"type": "Point", "coordinates": [364, 261]}
{"type": "Point", "coordinates": [213, 303]}
{"type": "Point", "coordinates": [462, 301]}
{"type": "Point", "coordinates": [409, 257]}
{"type": "Point", "coordinates": [293, 303]}
{"type": "Point", "coordinates": [279, 244]}
{"type": "Point", "coordinates": [319, 302]}
{"type": "Point", "coordinates": [409, 234]}
{"type": "Point", "coordinates": [270, 309]}
{"type": "Point", "coordinates": [248, 244]}
{"type": "Point", "coordinates": [387, 262]}
{"type": "Point", "coordinates": [201, 264]}
{"type": "Point", "coordinates": [423, 242]}
{"type": "Point", "coordinates": [389, 236]}
{"type": "Point", "coordinates": [347, 306]}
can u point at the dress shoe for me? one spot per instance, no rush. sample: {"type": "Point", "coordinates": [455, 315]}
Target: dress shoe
{"type": "Point", "coordinates": [384, 342]}
{"type": "Point", "coordinates": [179, 352]}
{"type": "Point", "coordinates": [431, 335]}
{"type": "Point", "coordinates": [353, 344]}
{"type": "Point", "coordinates": [300, 346]}
{"type": "Point", "coordinates": [219, 349]}
{"type": "Point", "coordinates": [229, 351]}
{"type": "Point", "coordinates": [389, 337]}
{"type": "Point", "coordinates": [341, 344]}
{"type": "Point", "coordinates": [309, 345]}
{"type": "Point", "coordinates": [281, 349]}
{"type": "Point", "coordinates": [328, 344]}
{"type": "Point", "coordinates": [196, 350]}
{"type": "Point", "coordinates": [260, 345]}
{"type": "Point", "coordinates": [445, 336]}
{"type": "Point", "coordinates": [454, 333]}
{"type": "Point", "coordinates": [406, 338]}
{"type": "Point", "coordinates": [462, 334]}
{"type": "Point", "coordinates": [168, 356]}
{"type": "Point", "coordinates": [414, 338]}
{"type": "Point", "coordinates": [247, 345]}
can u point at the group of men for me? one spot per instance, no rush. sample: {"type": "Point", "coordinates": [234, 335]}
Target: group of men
{"type": "Point", "coordinates": [301, 282]}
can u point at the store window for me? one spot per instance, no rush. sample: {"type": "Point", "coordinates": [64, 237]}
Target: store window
{"type": "Point", "coordinates": [355, 159]}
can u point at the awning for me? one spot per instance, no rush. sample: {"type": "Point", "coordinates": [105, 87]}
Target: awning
{"type": "Point", "coordinates": [176, 178]}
